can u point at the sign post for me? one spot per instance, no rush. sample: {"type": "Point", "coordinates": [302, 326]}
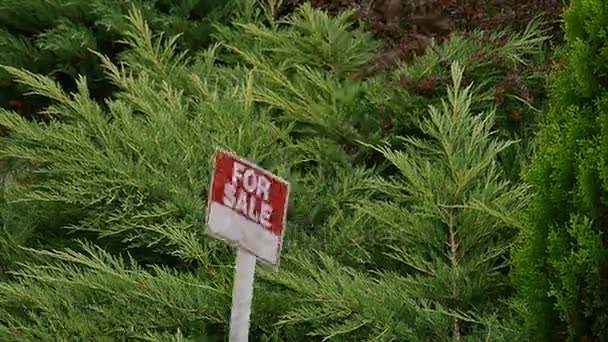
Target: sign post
{"type": "Point", "coordinates": [242, 294]}
{"type": "Point", "coordinates": [247, 209]}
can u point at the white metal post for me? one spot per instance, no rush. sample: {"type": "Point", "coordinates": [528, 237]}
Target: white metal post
{"type": "Point", "coordinates": [242, 294]}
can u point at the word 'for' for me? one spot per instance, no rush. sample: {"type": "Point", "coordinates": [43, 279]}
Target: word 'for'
{"type": "Point", "coordinates": [245, 191]}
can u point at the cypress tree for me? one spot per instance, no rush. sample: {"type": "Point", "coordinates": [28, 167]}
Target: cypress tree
{"type": "Point", "coordinates": [561, 264]}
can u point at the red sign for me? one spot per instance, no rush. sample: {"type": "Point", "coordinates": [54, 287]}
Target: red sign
{"type": "Point", "coordinates": [248, 207]}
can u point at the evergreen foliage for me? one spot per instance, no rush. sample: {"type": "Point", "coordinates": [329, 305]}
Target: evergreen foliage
{"type": "Point", "coordinates": [54, 38]}
{"type": "Point", "coordinates": [389, 238]}
{"type": "Point", "coordinates": [561, 264]}
{"type": "Point", "coordinates": [445, 223]}
{"type": "Point", "coordinates": [303, 63]}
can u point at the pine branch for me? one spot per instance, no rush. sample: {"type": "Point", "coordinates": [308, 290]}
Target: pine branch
{"type": "Point", "coordinates": [444, 179]}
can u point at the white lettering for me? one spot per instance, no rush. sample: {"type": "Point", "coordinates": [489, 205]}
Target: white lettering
{"type": "Point", "coordinates": [237, 172]}
{"type": "Point", "coordinates": [251, 212]}
{"type": "Point", "coordinates": [249, 181]}
{"type": "Point", "coordinates": [246, 190]}
{"type": "Point", "coordinates": [241, 204]}
{"type": "Point", "coordinates": [265, 213]}
{"type": "Point", "coordinates": [263, 187]}
{"type": "Point", "coordinates": [229, 195]}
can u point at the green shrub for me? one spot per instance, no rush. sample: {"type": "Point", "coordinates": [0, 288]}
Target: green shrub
{"type": "Point", "coordinates": [438, 235]}
{"type": "Point", "coordinates": [561, 263]}
{"type": "Point", "coordinates": [306, 75]}
{"type": "Point", "coordinates": [55, 37]}
{"type": "Point", "coordinates": [111, 211]}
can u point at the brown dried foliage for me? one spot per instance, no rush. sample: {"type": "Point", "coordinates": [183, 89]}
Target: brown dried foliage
{"type": "Point", "coordinates": [407, 26]}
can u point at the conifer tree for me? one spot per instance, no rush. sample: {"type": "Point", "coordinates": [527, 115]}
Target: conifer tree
{"type": "Point", "coordinates": [54, 38]}
{"type": "Point", "coordinates": [561, 263]}
{"type": "Point", "coordinates": [110, 208]}
{"type": "Point", "coordinates": [311, 84]}
{"type": "Point", "coordinates": [446, 222]}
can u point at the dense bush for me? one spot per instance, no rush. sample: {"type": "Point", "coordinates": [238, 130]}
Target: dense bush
{"type": "Point", "coordinates": [389, 238]}
{"type": "Point", "coordinates": [55, 37]}
{"type": "Point", "coordinates": [561, 265]}
{"type": "Point", "coordinates": [504, 66]}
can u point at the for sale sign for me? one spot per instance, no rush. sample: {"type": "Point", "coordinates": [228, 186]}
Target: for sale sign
{"type": "Point", "coordinates": [248, 207]}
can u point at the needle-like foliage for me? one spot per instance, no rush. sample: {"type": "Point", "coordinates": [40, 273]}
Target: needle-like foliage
{"type": "Point", "coordinates": [54, 37]}
{"type": "Point", "coordinates": [561, 266]}
{"type": "Point", "coordinates": [388, 239]}
{"type": "Point", "coordinates": [444, 230]}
